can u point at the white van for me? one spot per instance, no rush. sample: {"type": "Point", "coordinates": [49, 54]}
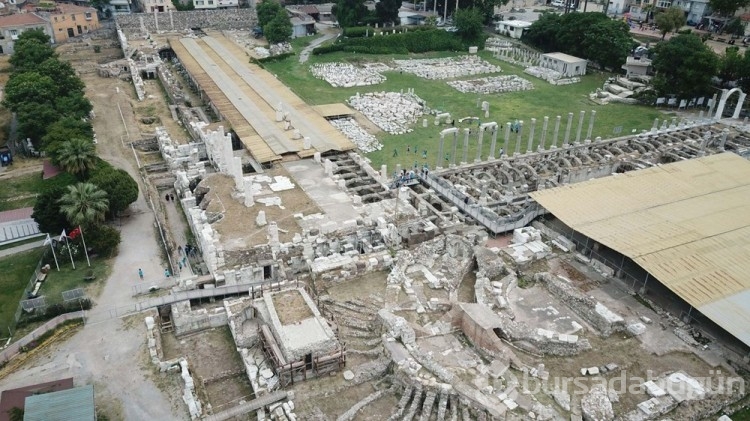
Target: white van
{"type": "Point", "coordinates": [558, 3]}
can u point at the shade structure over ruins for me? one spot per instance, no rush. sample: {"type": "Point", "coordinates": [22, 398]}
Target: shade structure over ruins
{"type": "Point", "coordinates": [685, 223]}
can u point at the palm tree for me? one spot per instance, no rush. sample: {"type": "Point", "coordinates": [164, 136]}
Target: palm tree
{"type": "Point", "coordinates": [76, 156]}
{"type": "Point", "coordinates": [84, 204]}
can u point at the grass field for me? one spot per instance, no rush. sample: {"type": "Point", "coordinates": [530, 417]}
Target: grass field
{"type": "Point", "coordinates": [544, 100]}
{"type": "Point", "coordinates": [16, 271]}
{"type": "Point", "coordinates": [21, 192]}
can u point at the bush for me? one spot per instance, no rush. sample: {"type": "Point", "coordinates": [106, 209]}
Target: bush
{"type": "Point", "coordinates": [271, 59]}
{"type": "Point", "coordinates": [328, 49]}
{"type": "Point", "coordinates": [685, 31]}
{"type": "Point", "coordinates": [357, 32]}
{"type": "Point", "coordinates": [51, 312]}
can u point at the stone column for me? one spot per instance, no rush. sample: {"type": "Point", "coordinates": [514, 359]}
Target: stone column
{"type": "Point", "coordinates": [273, 233]}
{"type": "Point", "coordinates": [557, 129]}
{"type": "Point", "coordinates": [507, 140]}
{"type": "Point", "coordinates": [738, 109]}
{"type": "Point", "coordinates": [724, 134]}
{"type": "Point", "coordinates": [591, 125]}
{"type": "Point", "coordinates": [494, 141]}
{"type": "Point", "coordinates": [466, 146]}
{"type": "Point", "coordinates": [567, 130]}
{"type": "Point", "coordinates": [531, 136]}
{"type": "Point", "coordinates": [171, 20]}
{"type": "Point", "coordinates": [543, 140]}
{"type": "Point", "coordinates": [156, 20]}
{"type": "Point", "coordinates": [236, 165]}
{"type": "Point", "coordinates": [479, 145]}
{"type": "Point", "coordinates": [249, 193]}
{"type": "Point", "coordinates": [384, 173]}
{"type": "Point", "coordinates": [518, 138]}
{"type": "Point", "coordinates": [712, 107]}
{"type": "Point", "coordinates": [438, 163]}
{"type": "Point", "coordinates": [580, 126]}
{"type": "Point", "coordinates": [455, 146]}
{"type": "Point", "coordinates": [655, 127]}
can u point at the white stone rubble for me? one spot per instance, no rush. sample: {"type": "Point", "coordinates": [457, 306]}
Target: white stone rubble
{"type": "Point", "coordinates": [354, 132]}
{"type": "Point", "coordinates": [492, 85]}
{"type": "Point", "coordinates": [552, 76]}
{"type": "Point", "coordinates": [346, 75]}
{"type": "Point", "coordinates": [391, 111]}
{"type": "Point", "coordinates": [446, 68]}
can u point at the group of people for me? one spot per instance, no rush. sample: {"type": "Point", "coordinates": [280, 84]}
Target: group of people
{"type": "Point", "coordinates": [169, 197]}
{"type": "Point", "coordinates": [182, 261]}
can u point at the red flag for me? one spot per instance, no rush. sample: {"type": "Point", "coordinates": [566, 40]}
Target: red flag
{"type": "Point", "coordinates": [75, 233]}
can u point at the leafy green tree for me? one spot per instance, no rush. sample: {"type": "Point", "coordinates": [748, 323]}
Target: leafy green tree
{"type": "Point", "coordinates": [606, 44]}
{"type": "Point", "coordinates": [731, 65]}
{"type": "Point", "coordinates": [279, 29]}
{"type": "Point", "coordinates": [727, 7]}
{"type": "Point", "coordinates": [684, 66]}
{"type": "Point", "coordinates": [63, 76]}
{"type": "Point", "coordinates": [29, 52]}
{"type": "Point", "coordinates": [349, 12]}
{"type": "Point", "coordinates": [33, 120]}
{"type": "Point", "coordinates": [267, 10]}
{"type": "Point", "coordinates": [47, 213]}
{"type": "Point", "coordinates": [74, 105]}
{"type": "Point", "coordinates": [76, 156]}
{"type": "Point", "coordinates": [84, 204]}
{"type": "Point", "coordinates": [735, 27]}
{"type": "Point", "coordinates": [543, 33]}
{"type": "Point", "coordinates": [387, 10]}
{"type": "Point", "coordinates": [431, 20]}
{"type": "Point", "coordinates": [670, 20]}
{"type": "Point", "coordinates": [103, 239]}
{"type": "Point", "coordinates": [745, 74]}
{"type": "Point", "coordinates": [469, 23]}
{"type": "Point", "coordinates": [28, 87]}
{"type": "Point", "coordinates": [63, 130]}
{"type": "Point", "coordinates": [121, 188]}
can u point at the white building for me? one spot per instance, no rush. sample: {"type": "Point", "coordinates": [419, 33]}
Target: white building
{"type": "Point", "coordinates": [567, 65]}
{"type": "Point", "coordinates": [150, 6]}
{"type": "Point", "coordinates": [215, 4]}
{"type": "Point", "coordinates": [120, 7]}
{"type": "Point", "coordinates": [511, 28]}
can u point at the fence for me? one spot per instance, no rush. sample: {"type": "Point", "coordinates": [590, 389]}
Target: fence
{"type": "Point", "coordinates": [25, 294]}
{"type": "Point", "coordinates": [11, 351]}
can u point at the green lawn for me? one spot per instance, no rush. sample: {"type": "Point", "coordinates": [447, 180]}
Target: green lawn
{"type": "Point", "coordinates": [544, 100]}
{"type": "Point", "coordinates": [20, 192]}
{"type": "Point", "coordinates": [16, 271]}
{"type": "Point", "coordinates": [68, 278]}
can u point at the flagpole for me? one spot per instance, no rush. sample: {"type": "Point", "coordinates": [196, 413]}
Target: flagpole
{"type": "Point", "coordinates": [70, 253]}
{"type": "Point", "coordinates": [49, 240]}
{"type": "Point", "coordinates": [84, 246]}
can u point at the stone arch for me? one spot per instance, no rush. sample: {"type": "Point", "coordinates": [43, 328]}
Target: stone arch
{"type": "Point", "coordinates": [725, 94]}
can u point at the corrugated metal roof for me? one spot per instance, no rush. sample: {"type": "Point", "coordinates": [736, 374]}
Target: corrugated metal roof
{"type": "Point", "coordinates": [75, 404]}
{"type": "Point", "coordinates": [686, 223]}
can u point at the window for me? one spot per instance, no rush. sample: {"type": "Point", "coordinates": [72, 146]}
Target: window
{"type": "Point", "coordinates": [73, 17]}
{"type": "Point", "coordinates": [88, 15]}
{"type": "Point", "coordinates": [13, 32]}
{"type": "Point", "coordinates": [59, 29]}
{"type": "Point", "coordinates": [210, 1]}
{"type": "Point", "coordinates": [55, 18]}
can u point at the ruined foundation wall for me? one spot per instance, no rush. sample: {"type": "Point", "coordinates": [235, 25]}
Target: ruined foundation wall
{"type": "Point", "coordinates": [186, 320]}
{"type": "Point", "coordinates": [181, 21]}
{"type": "Point", "coordinates": [595, 313]}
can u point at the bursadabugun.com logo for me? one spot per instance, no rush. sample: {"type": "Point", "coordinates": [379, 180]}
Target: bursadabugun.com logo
{"type": "Point", "coordinates": [676, 384]}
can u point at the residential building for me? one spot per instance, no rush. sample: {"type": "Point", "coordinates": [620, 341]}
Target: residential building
{"type": "Point", "coordinates": [120, 7]}
{"type": "Point", "coordinates": [12, 26]}
{"type": "Point", "coordinates": [215, 4]}
{"type": "Point", "coordinates": [150, 6]}
{"type": "Point", "coordinates": [302, 23]}
{"type": "Point", "coordinates": [69, 21]}
{"type": "Point", "coordinates": [694, 10]}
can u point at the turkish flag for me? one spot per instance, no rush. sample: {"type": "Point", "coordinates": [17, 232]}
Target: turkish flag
{"type": "Point", "coordinates": [75, 233]}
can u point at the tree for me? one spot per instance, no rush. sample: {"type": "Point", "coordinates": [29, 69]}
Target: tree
{"type": "Point", "coordinates": [102, 239]}
{"type": "Point", "coordinates": [745, 74]}
{"type": "Point", "coordinates": [735, 27]}
{"type": "Point", "coordinates": [349, 12]}
{"type": "Point", "coordinates": [33, 120]}
{"type": "Point", "coordinates": [279, 29]}
{"type": "Point", "coordinates": [684, 66]}
{"type": "Point", "coordinates": [74, 105]}
{"type": "Point", "coordinates": [607, 44]}
{"type": "Point", "coordinates": [267, 10]}
{"type": "Point", "coordinates": [544, 32]}
{"type": "Point", "coordinates": [469, 23]}
{"type": "Point", "coordinates": [731, 65]}
{"type": "Point", "coordinates": [84, 204]}
{"type": "Point", "coordinates": [669, 20]}
{"type": "Point", "coordinates": [76, 156]}
{"type": "Point", "coordinates": [121, 188]}
{"type": "Point", "coordinates": [63, 76]}
{"type": "Point", "coordinates": [28, 87]}
{"type": "Point", "coordinates": [29, 52]}
{"type": "Point", "coordinates": [387, 10]}
{"type": "Point", "coordinates": [63, 130]}
{"type": "Point", "coordinates": [47, 213]}
{"type": "Point", "coordinates": [727, 7]}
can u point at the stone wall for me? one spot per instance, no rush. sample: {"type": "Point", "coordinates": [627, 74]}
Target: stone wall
{"type": "Point", "coordinates": [594, 312]}
{"type": "Point", "coordinates": [186, 320]}
{"type": "Point", "coordinates": [181, 21]}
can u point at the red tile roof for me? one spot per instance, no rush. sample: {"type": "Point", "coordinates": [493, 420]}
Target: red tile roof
{"type": "Point", "coordinates": [65, 8]}
{"type": "Point", "coordinates": [20, 19]}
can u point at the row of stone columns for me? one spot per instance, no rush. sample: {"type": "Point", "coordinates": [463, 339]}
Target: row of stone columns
{"type": "Point", "coordinates": [493, 126]}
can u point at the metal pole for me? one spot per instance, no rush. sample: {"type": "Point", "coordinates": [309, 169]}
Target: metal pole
{"type": "Point", "coordinates": [70, 253]}
{"type": "Point", "coordinates": [84, 246]}
{"type": "Point", "coordinates": [53, 253]}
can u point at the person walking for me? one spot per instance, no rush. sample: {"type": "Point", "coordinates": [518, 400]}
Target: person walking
{"type": "Point", "coordinates": [140, 273]}
{"type": "Point", "coordinates": [166, 273]}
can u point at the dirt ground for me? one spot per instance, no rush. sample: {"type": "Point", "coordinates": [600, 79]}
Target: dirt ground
{"type": "Point", "coordinates": [215, 364]}
{"type": "Point", "coordinates": [291, 307]}
{"type": "Point", "coordinates": [238, 228]}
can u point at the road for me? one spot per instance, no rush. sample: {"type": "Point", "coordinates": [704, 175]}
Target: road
{"type": "Point", "coordinates": [330, 34]}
